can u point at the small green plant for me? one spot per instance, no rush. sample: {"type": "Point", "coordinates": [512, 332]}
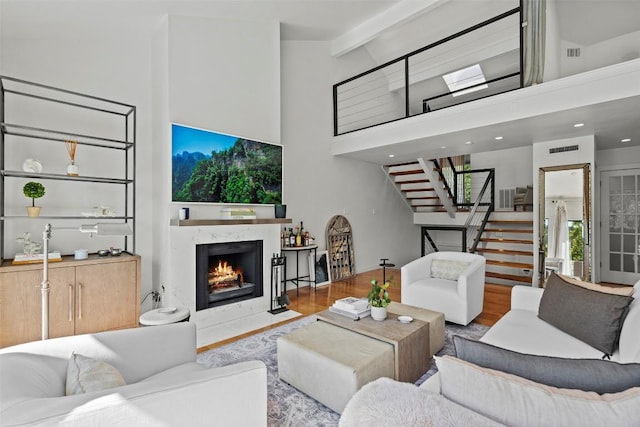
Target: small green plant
{"type": "Point", "coordinates": [378, 295]}
{"type": "Point", "coordinates": [577, 241]}
{"type": "Point", "coordinates": [33, 190]}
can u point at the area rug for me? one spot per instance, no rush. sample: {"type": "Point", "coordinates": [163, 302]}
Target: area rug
{"type": "Point", "coordinates": [286, 405]}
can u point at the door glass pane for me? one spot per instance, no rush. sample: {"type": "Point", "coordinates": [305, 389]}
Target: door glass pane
{"type": "Point", "coordinates": [614, 262]}
{"type": "Point", "coordinates": [629, 203]}
{"type": "Point", "coordinates": [615, 185]}
{"type": "Point", "coordinates": [615, 203]}
{"type": "Point", "coordinates": [629, 223]}
{"type": "Point", "coordinates": [615, 244]}
{"type": "Point", "coordinates": [628, 184]}
{"type": "Point", "coordinates": [629, 264]}
{"type": "Point", "coordinates": [630, 243]}
{"type": "Point", "coordinates": [615, 223]}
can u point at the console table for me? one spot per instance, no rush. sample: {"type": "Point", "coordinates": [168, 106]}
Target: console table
{"type": "Point", "coordinates": [296, 280]}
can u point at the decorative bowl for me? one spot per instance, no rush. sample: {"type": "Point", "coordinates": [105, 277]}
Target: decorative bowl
{"type": "Point", "coordinates": [103, 252]}
{"type": "Point", "coordinates": [115, 251]}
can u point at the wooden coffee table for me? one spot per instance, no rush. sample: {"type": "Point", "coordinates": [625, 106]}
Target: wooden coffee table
{"type": "Point", "coordinates": [412, 350]}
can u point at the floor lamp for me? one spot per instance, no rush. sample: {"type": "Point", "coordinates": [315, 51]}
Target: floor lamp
{"type": "Point", "coordinates": [103, 229]}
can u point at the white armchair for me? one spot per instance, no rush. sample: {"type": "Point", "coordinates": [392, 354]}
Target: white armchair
{"type": "Point", "coordinates": [453, 285]}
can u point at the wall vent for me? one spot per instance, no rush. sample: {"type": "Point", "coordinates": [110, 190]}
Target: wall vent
{"type": "Point", "coordinates": [573, 52]}
{"type": "Point", "coordinates": [563, 149]}
{"type": "Point", "coordinates": [505, 198]}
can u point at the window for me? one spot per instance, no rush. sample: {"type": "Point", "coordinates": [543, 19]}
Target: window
{"type": "Point", "coordinates": [464, 78]}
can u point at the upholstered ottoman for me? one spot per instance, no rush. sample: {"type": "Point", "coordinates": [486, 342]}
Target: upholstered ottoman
{"type": "Point", "coordinates": [330, 363]}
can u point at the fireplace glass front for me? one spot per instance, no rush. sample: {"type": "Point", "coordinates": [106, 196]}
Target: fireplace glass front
{"type": "Point", "coordinates": [228, 272]}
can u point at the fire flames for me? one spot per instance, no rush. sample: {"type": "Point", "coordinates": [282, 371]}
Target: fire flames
{"type": "Point", "coordinates": [224, 275]}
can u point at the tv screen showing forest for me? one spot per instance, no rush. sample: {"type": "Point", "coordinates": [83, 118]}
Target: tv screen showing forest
{"type": "Point", "coordinates": [217, 168]}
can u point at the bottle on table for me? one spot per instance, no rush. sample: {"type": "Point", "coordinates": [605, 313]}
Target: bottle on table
{"type": "Point", "coordinates": [292, 238]}
{"type": "Point", "coordinates": [298, 241]}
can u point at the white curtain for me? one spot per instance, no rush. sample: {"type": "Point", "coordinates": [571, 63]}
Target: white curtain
{"type": "Point", "coordinates": [559, 237]}
{"type": "Point", "coordinates": [534, 35]}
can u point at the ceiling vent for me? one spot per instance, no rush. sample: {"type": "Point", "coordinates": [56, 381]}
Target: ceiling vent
{"type": "Point", "coordinates": [563, 149]}
{"type": "Point", "coordinates": [573, 52]}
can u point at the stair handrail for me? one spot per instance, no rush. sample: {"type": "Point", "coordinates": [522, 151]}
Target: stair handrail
{"type": "Point", "coordinates": [476, 223]}
{"type": "Point", "coordinates": [447, 178]}
{"type": "Point", "coordinates": [447, 202]}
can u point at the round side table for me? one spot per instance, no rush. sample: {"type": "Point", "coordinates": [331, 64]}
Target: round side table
{"type": "Point", "coordinates": [164, 316]}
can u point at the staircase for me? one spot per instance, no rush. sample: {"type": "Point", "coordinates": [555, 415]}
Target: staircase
{"type": "Point", "coordinates": [507, 244]}
{"type": "Point", "coordinates": [506, 241]}
{"type": "Point", "coordinates": [420, 184]}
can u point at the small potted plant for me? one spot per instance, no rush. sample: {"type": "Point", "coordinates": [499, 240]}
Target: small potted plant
{"type": "Point", "coordinates": [379, 299]}
{"type": "Point", "coordinates": [33, 190]}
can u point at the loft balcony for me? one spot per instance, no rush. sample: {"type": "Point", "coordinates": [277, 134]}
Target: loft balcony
{"type": "Point", "coordinates": [457, 95]}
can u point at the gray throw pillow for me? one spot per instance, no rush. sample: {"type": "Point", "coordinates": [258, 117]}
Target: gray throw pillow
{"type": "Point", "coordinates": [593, 317]}
{"type": "Point", "coordinates": [600, 376]}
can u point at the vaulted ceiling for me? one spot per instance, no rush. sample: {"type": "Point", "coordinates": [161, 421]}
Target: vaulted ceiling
{"type": "Point", "coordinates": [583, 22]}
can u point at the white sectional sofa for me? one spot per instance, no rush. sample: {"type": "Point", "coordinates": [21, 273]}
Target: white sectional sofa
{"type": "Point", "coordinates": [164, 384]}
{"type": "Point", "coordinates": [463, 393]}
{"type": "Point", "coordinates": [523, 331]}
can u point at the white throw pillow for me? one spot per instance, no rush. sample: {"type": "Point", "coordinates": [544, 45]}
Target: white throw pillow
{"type": "Point", "coordinates": [447, 269]}
{"type": "Point", "coordinates": [515, 401]}
{"type": "Point", "coordinates": [85, 375]}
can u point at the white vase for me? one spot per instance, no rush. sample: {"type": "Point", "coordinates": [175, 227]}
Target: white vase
{"type": "Point", "coordinates": [379, 313]}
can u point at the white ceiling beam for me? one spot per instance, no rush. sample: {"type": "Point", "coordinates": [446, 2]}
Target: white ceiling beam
{"type": "Point", "coordinates": [397, 14]}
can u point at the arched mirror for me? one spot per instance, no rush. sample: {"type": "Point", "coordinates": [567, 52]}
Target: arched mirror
{"type": "Point", "coordinates": [565, 220]}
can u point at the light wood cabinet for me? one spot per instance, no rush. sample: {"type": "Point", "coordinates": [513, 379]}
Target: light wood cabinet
{"type": "Point", "coordinates": [86, 296]}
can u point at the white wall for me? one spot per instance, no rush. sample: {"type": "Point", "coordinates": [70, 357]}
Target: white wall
{"type": "Point", "coordinates": [210, 75]}
{"type": "Point", "coordinates": [619, 158]}
{"type": "Point", "coordinates": [320, 185]}
{"type": "Point", "coordinates": [161, 159]}
{"type": "Point", "coordinates": [599, 55]}
{"type": "Point", "coordinates": [511, 167]}
{"type": "Point", "coordinates": [224, 75]}
{"type": "Point", "coordinates": [114, 69]}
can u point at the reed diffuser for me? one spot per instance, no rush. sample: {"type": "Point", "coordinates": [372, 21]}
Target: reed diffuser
{"type": "Point", "coordinates": [72, 145]}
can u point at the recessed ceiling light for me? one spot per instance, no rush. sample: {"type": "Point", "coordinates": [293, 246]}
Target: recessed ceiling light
{"type": "Point", "coordinates": [498, 138]}
{"type": "Point", "coordinates": [443, 147]}
{"type": "Point", "coordinates": [469, 142]}
{"type": "Point", "coordinates": [626, 140]}
{"type": "Point", "coordinates": [578, 125]}
{"type": "Point", "coordinates": [392, 155]}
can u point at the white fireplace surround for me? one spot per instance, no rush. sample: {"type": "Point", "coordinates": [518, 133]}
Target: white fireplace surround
{"type": "Point", "coordinates": [180, 288]}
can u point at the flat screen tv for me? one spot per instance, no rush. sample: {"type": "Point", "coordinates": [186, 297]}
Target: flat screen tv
{"type": "Point", "coordinates": [213, 167]}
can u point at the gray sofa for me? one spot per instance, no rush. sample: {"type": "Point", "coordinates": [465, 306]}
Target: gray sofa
{"type": "Point", "coordinates": [164, 384]}
{"type": "Point", "coordinates": [519, 340]}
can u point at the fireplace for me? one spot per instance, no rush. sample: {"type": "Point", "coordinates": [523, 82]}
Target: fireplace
{"type": "Point", "coordinates": [228, 272]}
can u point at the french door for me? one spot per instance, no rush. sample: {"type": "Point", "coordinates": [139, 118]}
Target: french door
{"type": "Point", "coordinates": [620, 226]}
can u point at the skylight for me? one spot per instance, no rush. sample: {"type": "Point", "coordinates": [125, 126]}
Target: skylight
{"type": "Point", "coordinates": [464, 78]}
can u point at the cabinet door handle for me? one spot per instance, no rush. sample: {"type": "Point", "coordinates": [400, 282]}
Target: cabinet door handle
{"type": "Point", "coordinates": [70, 304]}
{"type": "Point", "coordinates": [79, 300]}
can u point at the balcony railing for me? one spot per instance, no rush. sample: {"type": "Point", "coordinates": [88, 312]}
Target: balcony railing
{"type": "Point", "coordinates": [480, 61]}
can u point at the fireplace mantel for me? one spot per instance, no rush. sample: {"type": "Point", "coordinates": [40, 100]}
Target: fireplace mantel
{"type": "Point", "coordinates": [180, 272]}
{"type": "Point", "coordinates": [201, 222]}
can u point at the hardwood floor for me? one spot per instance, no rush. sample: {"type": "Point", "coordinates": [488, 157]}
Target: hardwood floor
{"type": "Point", "coordinates": [309, 301]}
